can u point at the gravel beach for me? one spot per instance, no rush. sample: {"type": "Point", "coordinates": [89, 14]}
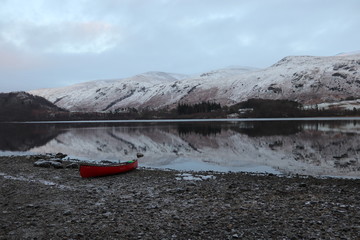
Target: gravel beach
{"type": "Point", "coordinates": [56, 203]}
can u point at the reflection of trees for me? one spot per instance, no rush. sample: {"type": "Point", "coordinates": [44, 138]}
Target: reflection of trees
{"type": "Point", "coordinates": [268, 128]}
{"type": "Point", "coordinates": [338, 124]}
{"type": "Point", "coordinates": [22, 137]}
{"type": "Point", "coordinates": [204, 129]}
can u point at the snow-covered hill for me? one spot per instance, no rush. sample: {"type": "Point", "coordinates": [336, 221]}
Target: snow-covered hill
{"type": "Point", "coordinates": [109, 95]}
{"type": "Point", "coordinates": [307, 79]}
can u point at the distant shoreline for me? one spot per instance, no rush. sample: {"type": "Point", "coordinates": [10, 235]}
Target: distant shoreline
{"type": "Point", "coordinates": [198, 120]}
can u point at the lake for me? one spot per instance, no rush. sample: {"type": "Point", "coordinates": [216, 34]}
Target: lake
{"type": "Point", "coordinates": [317, 146]}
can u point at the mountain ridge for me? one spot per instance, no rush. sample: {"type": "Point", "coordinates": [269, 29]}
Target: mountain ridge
{"type": "Point", "coordinates": [305, 79]}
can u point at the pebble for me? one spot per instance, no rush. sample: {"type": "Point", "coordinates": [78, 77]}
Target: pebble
{"type": "Point", "coordinates": [60, 155]}
{"type": "Point", "coordinates": [72, 165]}
{"type": "Point", "coordinates": [67, 213]}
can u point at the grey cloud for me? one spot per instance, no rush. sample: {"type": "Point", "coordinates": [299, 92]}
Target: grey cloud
{"type": "Point", "coordinates": [65, 37]}
{"type": "Point", "coordinates": [72, 41]}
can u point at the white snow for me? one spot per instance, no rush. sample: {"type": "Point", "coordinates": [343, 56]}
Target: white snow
{"type": "Point", "coordinates": [349, 53]}
{"type": "Point", "coordinates": [307, 79]}
{"type": "Point", "coordinates": [41, 181]}
{"type": "Point", "coordinates": [344, 105]}
{"type": "Point", "coordinates": [193, 177]}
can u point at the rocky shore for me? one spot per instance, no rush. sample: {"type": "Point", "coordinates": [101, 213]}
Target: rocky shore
{"type": "Point", "coordinates": [56, 203]}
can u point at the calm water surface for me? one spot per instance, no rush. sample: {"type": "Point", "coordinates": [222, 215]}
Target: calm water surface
{"type": "Point", "coordinates": [320, 147]}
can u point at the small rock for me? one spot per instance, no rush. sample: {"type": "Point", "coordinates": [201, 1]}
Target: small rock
{"type": "Point", "coordinates": [72, 165]}
{"type": "Point", "coordinates": [56, 164]}
{"type": "Point", "coordinates": [191, 184]}
{"type": "Point", "coordinates": [60, 155]}
{"type": "Point", "coordinates": [67, 213]}
{"type": "Point", "coordinates": [56, 160]}
{"type": "Point", "coordinates": [107, 214]}
{"type": "Point", "coordinates": [42, 163]}
{"type": "Point", "coordinates": [179, 190]}
{"type": "Point", "coordinates": [37, 157]}
{"type": "Point", "coordinates": [139, 155]}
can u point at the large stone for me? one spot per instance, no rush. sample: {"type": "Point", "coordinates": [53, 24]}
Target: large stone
{"type": "Point", "coordinates": [42, 163]}
{"type": "Point", "coordinates": [56, 164]}
{"type": "Point", "coordinates": [47, 164]}
{"type": "Point", "coordinates": [60, 155]}
{"type": "Point", "coordinates": [72, 165]}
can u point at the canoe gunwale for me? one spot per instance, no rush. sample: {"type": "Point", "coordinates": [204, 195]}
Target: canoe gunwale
{"type": "Point", "coordinates": [107, 164]}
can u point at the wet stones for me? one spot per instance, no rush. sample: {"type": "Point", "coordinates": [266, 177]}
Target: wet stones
{"type": "Point", "coordinates": [72, 165]}
{"type": "Point", "coordinates": [60, 155]}
{"type": "Point", "coordinates": [48, 163]}
{"type": "Point", "coordinates": [53, 161]}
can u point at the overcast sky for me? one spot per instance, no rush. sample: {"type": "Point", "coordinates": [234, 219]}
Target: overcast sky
{"type": "Point", "coordinates": [51, 43]}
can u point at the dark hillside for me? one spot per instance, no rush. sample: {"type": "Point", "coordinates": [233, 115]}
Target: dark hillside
{"type": "Point", "coordinates": [20, 106]}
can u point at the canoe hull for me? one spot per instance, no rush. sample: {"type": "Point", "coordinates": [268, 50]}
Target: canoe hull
{"type": "Point", "coordinates": [87, 171]}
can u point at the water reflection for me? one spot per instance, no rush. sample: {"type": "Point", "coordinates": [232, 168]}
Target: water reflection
{"type": "Point", "coordinates": [314, 148]}
{"type": "Point", "coordinates": [22, 137]}
{"type": "Point", "coordinates": [200, 128]}
{"type": "Point", "coordinates": [270, 128]}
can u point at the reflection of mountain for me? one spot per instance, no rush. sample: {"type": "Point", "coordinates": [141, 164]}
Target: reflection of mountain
{"type": "Point", "coordinates": [22, 137]}
{"type": "Point", "coordinates": [306, 151]}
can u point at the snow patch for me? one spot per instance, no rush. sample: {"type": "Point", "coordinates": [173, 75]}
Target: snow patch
{"type": "Point", "coordinates": [41, 181]}
{"type": "Point", "coordinates": [193, 177]}
{"type": "Point", "coordinates": [344, 105]}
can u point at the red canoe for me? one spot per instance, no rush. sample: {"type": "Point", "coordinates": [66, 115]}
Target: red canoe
{"type": "Point", "coordinates": [103, 170]}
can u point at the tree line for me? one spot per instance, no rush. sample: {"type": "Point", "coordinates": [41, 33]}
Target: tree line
{"type": "Point", "coordinates": [202, 107]}
{"type": "Point", "coordinates": [24, 107]}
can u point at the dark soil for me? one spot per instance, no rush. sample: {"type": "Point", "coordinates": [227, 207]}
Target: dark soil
{"type": "Point", "coordinates": [49, 203]}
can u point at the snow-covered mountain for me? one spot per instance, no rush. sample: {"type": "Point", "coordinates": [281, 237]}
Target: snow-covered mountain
{"type": "Point", "coordinates": [307, 79]}
{"type": "Point", "coordinates": [349, 53]}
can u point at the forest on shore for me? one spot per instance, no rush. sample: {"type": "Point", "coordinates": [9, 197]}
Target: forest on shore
{"type": "Point", "coordinates": [33, 108]}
